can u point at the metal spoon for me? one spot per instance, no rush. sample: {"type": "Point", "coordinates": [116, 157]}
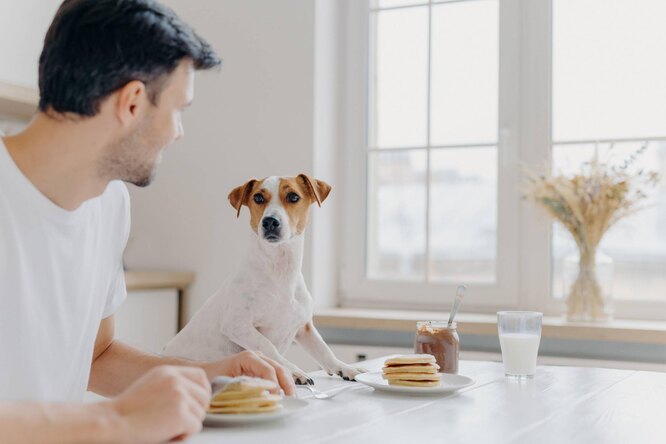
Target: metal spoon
{"type": "Point", "coordinates": [460, 293]}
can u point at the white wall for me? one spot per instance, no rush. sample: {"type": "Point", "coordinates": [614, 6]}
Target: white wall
{"type": "Point", "coordinates": [262, 114]}
{"type": "Point", "coordinates": [23, 25]}
{"type": "Point", "coordinates": [254, 118]}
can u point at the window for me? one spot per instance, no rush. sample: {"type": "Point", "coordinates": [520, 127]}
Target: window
{"type": "Point", "coordinates": [433, 141]}
{"type": "Point", "coordinates": [429, 145]}
{"type": "Point", "coordinates": [609, 97]}
{"type": "Point", "coordinates": [447, 100]}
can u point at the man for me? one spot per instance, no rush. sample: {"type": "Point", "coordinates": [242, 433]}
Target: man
{"type": "Point", "coordinates": [114, 77]}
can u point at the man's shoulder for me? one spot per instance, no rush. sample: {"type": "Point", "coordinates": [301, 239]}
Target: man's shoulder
{"type": "Point", "coordinates": [116, 205]}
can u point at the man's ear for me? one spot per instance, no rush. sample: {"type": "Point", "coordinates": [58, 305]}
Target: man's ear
{"type": "Point", "coordinates": [240, 195]}
{"type": "Point", "coordinates": [318, 189]}
{"type": "Point", "coordinates": [129, 101]}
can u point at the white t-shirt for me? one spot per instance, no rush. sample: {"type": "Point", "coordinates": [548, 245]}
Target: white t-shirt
{"type": "Point", "coordinates": [60, 274]}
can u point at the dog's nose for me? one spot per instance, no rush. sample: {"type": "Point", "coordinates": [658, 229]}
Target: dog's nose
{"type": "Point", "coordinates": [270, 223]}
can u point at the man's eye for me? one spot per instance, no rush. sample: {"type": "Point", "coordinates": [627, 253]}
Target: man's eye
{"type": "Point", "coordinates": [293, 197]}
{"type": "Point", "coordinates": [258, 198]}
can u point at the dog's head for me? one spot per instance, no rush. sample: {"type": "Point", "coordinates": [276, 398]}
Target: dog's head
{"type": "Point", "coordinates": [279, 206]}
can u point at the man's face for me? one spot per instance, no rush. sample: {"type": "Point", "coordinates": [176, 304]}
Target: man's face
{"type": "Point", "coordinates": [134, 157]}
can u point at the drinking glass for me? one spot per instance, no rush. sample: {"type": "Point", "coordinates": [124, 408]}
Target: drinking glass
{"type": "Point", "coordinates": [519, 335]}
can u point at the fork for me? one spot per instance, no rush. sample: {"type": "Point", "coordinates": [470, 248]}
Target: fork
{"type": "Point", "coordinates": [318, 394]}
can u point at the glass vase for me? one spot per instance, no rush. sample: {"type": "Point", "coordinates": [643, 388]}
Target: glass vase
{"type": "Point", "coordinates": [588, 280]}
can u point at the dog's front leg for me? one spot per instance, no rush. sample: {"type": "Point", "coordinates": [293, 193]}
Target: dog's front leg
{"type": "Point", "coordinates": [309, 338]}
{"type": "Point", "coordinates": [252, 339]}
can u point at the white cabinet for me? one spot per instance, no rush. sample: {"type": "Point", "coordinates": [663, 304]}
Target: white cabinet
{"type": "Point", "coordinates": [154, 310]}
{"type": "Point", "coordinates": [17, 105]}
{"type": "Point", "coordinates": [148, 319]}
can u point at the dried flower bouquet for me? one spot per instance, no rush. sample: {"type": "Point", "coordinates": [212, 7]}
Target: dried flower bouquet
{"type": "Point", "coordinates": [588, 204]}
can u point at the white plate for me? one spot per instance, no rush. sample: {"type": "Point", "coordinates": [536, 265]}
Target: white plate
{"type": "Point", "coordinates": [289, 406]}
{"type": "Point", "coordinates": [450, 383]}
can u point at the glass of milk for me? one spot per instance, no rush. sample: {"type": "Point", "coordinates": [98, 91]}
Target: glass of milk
{"type": "Point", "coordinates": [519, 335]}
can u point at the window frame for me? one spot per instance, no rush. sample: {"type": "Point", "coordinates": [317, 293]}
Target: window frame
{"type": "Point", "coordinates": [355, 288]}
{"type": "Point", "coordinates": [523, 261]}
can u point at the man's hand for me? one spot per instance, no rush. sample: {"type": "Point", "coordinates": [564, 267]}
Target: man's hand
{"type": "Point", "coordinates": [167, 402]}
{"type": "Point", "coordinates": [252, 364]}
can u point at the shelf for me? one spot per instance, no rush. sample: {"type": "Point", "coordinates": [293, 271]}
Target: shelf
{"type": "Point", "coordinates": [17, 102]}
{"type": "Point", "coordinates": [644, 332]}
{"type": "Point", "coordinates": [158, 280]}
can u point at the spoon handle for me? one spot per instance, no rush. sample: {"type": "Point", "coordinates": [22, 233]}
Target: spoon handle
{"type": "Point", "coordinates": [460, 292]}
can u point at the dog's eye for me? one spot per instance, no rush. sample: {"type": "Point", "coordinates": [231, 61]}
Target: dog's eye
{"type": "Point", "coordinates": [258, 198]}
{"type": "Point", "coordinates": [293, 197]}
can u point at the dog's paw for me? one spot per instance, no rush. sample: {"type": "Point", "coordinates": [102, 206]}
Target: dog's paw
{"type": "Point", "coordinates": [346, 372]}
{"type": "Point", "coordinates": [301, 378]}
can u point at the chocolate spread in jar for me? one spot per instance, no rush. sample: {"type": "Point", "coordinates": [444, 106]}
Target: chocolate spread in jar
{"type": "Point", "coordinates": [438, 339]}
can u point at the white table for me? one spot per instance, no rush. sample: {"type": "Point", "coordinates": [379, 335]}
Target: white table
{"type": "Point", "coordinates": [560, 405]}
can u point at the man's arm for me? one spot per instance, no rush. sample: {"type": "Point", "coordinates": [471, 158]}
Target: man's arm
{"type": "Point", "coordinates": [167, 403]}
{"type": "Point", "coordinates": [30, 422]}
{"type": "Point", "coordinates": [117, 365]}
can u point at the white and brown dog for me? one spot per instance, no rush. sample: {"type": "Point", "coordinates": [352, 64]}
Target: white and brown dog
{"type": "Point", "coordinates": [266, 305]}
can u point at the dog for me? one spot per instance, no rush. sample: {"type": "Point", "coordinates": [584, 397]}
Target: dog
{"type": "Point", "coordinates": [266, 305]}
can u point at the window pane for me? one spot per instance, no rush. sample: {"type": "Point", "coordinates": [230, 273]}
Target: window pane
{"type": "Point", "coordinates": [396, 215]}
{"type": "Point", "coordinates": [398, 102]}
{"type": "Point", "coordinates": [394, 3]}
{"type": "Point", "coordinates": [609, 69]}
{"type": "Point", "coordinates": [637, 245]}
{"type": "Point", "coordinates": [463, 211]}
{"type": "Point", "coordinates": [465, 72]}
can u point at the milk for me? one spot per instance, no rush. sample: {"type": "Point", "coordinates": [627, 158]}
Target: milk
{"type": "Point", "coordinates": [519, 353]}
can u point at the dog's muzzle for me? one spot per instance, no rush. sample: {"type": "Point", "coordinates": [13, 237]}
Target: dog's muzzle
{"type": "Point", "coordinates": [271, 228]}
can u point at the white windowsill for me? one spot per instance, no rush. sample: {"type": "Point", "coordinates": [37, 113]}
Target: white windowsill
{"type": "Point", "coordinates": [645, 332]}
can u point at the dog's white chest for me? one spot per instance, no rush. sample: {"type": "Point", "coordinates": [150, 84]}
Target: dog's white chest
{"type": "Point", "coordinates": [283, 316]}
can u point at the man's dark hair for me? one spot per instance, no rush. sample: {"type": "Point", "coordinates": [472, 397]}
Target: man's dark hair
{"type": "Point", "coordinates": [95, 47]}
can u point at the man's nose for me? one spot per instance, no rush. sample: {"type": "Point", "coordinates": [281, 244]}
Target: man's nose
{"type": "Point", "coordinates": [270, 223]}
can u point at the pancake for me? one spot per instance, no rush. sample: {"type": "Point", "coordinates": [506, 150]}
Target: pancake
{"type": "Point", "coordinates": [260, 400]}
{"type": "Point", "coordinates": [245, 383]}
{"type": "Point", "coordinates": [245, 409]}
{"type": "Point", "coordinates": [245, 395]}
{"type": "Point", "coordinates": [410, 359]}
{"type": "Point", "coordinates": [413, 376]}
{"type": "Point", "coordinates": [411, 369]}
{"type": "Point", "coordinates": [237, 394]}
{"type": "Point", "coordinates": [418, 370]}
{"type": "Point", "coordinates": [414, 383]}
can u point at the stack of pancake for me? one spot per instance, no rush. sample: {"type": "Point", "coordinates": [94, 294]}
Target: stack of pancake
{"type": "Point", "coordinates": [245, 395]}
{"type": "Point", "coordinates": [412, 371]}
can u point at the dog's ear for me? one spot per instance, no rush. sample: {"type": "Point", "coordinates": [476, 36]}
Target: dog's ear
{"type": "Point", "coordinates": [318, 189]}
{"type": "Point", "coordinates": [239, 196]}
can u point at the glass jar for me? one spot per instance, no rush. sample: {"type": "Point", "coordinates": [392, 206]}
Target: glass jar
{"type": "Point", "coordinates": [441, 340]}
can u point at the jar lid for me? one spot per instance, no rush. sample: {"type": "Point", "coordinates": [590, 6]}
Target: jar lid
{"type": "Point", "coordinates": [436, 324]}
